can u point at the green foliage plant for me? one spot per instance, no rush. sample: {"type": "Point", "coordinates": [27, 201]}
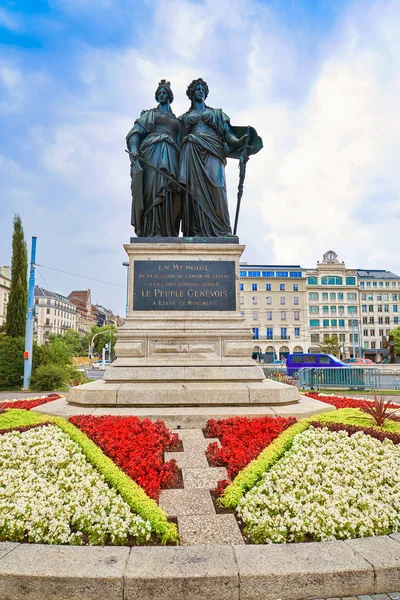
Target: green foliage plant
{"type": "Point", "coordinates": [130, 491]}
{"type": "Point", "coordinates": [11, 362]}
{"type": "Point", "coordinates": [49, 377]}
{"type": "Point", "coordinates": [330, 345]}
{"type": "Point", "coordinates": [355, 416]}
{"type": "Point", "coordinates": [18, 300]}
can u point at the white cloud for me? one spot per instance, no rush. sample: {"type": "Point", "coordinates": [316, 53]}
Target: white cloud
{"type": "Point", "coordinates": [9, 21]}
{"type": "Point", "coordinates": [326, 178]}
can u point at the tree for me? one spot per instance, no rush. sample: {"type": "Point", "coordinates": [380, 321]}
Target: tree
{"type": "Point", "coordinates": [73, 340]}
{"type": "Point", "coordinates": [101, 340]}
{"type": "Point", "coordinates": [330, 345]}
{"type": "Point", "coordinates": [396, 336]}
{"type": "Point", "coordinates": [18, 300]}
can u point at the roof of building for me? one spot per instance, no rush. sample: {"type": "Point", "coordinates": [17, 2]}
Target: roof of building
{"type": "Point", "coordinates": [376, 274]}
{"type": "Point", "coordinates": [79, 297]}
{"type": "Point", "coordinates": [251, 266]}
{"type": "Point", "coordinates": [43, 293]}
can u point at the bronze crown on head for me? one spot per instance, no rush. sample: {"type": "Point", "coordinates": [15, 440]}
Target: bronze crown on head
{"type": "Point", "coordinates": [166, 85]}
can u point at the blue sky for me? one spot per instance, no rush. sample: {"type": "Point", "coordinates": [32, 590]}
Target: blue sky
{"type": "Point", "coordinates": [319, 79]}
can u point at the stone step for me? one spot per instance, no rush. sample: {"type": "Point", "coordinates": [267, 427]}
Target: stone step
{"type": "Point", "coordinates": [178, 503]}
{"type": "Point", "coordinates": [203, 479]}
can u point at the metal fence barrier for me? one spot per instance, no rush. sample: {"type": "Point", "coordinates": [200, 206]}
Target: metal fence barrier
{"type": "Point", "coordinates": [353, 377]}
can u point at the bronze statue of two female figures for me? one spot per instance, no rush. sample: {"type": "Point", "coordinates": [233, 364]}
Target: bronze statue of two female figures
{"type": "Point", "coordinates": [178, 166]}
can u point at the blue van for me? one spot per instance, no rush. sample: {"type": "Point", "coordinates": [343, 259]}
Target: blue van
{"type": "Point", "coordinates": [294, 362]}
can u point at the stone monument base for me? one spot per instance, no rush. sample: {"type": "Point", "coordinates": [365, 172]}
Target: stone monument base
{"type": "Point", "coordinates": [184, 341]}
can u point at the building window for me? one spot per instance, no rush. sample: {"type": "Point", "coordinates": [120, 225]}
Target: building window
{"type": "Point", "coordinates": [242, 313]}
{"type": "Point", "coordinates": [352, 309]}
{"type": "Point", "coordinates": [282, 300]}
{"type": "Point", "coordinates": [325, 323]}
{"type": "Point", "coordinates": [373, 345]}
{"type": "Point", "coordinates": [365, 332]}
{"type": "Point", "coordinates": [351, 296]}
{"type": "Point", "coordinates": [241, 299]}
{"type": "Point", "coordinates": [371, 308]}
{"type": "Point", "coordinates": [282, 274]}
{"type": "Point", "coordinates": [395, 308]}
{"type": "Point", "coordinates": [269, 316]}
{"type": "Point", "coordinates": [366, 345]}
{"type": "Point", "coordinates": [296, 300]}
{"type": "Point", "coordinates": [268, 274]}
{"type": "Point", "coordinates": [242, 287]}
{"type": "Point", "coordinates": [313, 295]}
{"type": "Point", "coordinates": [333, 322]}
{"type": "Point", "coordinates": [341, 310]}
{"type": "Point", "coordinates": [283, 315]}
{"type": "Point", "coordinates": [270, 333]}
{"type": "Point", "coordinates": [312, 280]}
{"type": "Point", "coordinates": [363, 296]}
{"type": "Point", "coordinates": [325, 295]}
{"type": "Point", "coordinates": [268, 287]}
{"type": "Point", "coordinates": [284, 333]}
{"type": "Point", "coordinates": [380, 284]}
{"type": "Point", "coordinates": [396, 320]}
{"type": "Point", "coordinates": [315, 338]}
{"type": "Point", "coordinates": [325, 310]}
{"type": "Point", "coordinates": [313, 310]}
{"type": "Point", "coordinates": [386, 297]}
{"type": "Point", "coordinates": [340, 296]}
{"type": "Point", "coordinates": [254, 274]}
{"type": "Point", "coordinates": [387, 320]}
{"type": "Point", "coordinates": [295, 287]}
{"type": "Point", "coordinates": [387, 283]}
{"type": "Point", "coordinates": [365, 320]}
{"type": "Point", "coordinates": [381, 332]}
{"type": "Point", "coordinates": [350, 281]}
{"type": "Point", "coordinates": [380, 320]}
{"type": "Point", "coordinates": [47, 311]}
{"type": "Point", "coordinates": [341, 322]}
{"type": "Point", "coordinates": [255, 316]}
{"type": "Point", "coordinates": [254, 300]}
{"type": "Point", "coordinates": [282, 287]}
{"type": "Point", "coordinates": [386, 308]}
{"type": "Point", "coordinates": [256, 335]}
{"type": "Point", "coordinates": [268, 299]}
{"type": "Point", "coordinates": [333, 310]}
{"type": "Point", "coordinates": [332, 296]}
{"type": "Point", "coordinates": [295, 274]}
{"type": "Point", "coordinates": [314, 322]}
{"type": "Point", "coordinates": [372, 320]}
{"type": "Point", "coordinates": [342, 338]}
{"type": "Point", "coordinates": [361, 284]}
{"type": "Point", "coordinates": [331, 280]}
{"type": "Point", "coordinates": [297, 332]}
{"type": "Point", "coordinates": [380, 308]}
{"type": "Point", "coordinates": [254, 287]}
{"type": "Point", "coordinates": [296, 315]}
{"type": "Point", "coordinates": [394, 297]}
{"type": "Point", "coordinates": [372, 332]}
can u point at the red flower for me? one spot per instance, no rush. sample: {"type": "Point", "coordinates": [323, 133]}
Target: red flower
{"type": "Point", "coordinates": [136, 447]}
{"type": "Point", "coordinates": [29, 404]}
{"type": "Point", "coordinates": [242, 439]}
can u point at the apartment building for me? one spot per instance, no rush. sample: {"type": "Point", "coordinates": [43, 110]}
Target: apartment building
{"type": "Point", "coordinates": [333, 305]}
{"type": "Point", "coordinates": [86, 315]}
{"type": "Point", "coordinates": [273, 301]}
{"type": "Point", "coordinates": [5, 284]}
{"type": "Point", "coordinates": [379, 308]}
{"type": "Point", "coordinates": [54, 313]}
{"type": "Point", "coordinates": [294, 309]}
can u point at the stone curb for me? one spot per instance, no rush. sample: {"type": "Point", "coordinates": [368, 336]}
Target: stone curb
{"type": "Point", "coordinates": [259, 572]}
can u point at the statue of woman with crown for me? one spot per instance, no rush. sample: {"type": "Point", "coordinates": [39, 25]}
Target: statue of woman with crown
{"type": "Point", "coordinates": [153, 145]}
{"type": "Point", "coordinates": [208, 138]}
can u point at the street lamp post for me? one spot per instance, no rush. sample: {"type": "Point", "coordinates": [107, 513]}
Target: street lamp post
{"type": "Point", "coordinates": [125, 264]}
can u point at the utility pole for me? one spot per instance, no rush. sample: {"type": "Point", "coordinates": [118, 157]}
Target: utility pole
{"type": "Point", "coordinates": [359, 339]}
{"type": "Point", "coordinates": [354, 342]}
{"type": "Point", "coordinates": [29, 320]}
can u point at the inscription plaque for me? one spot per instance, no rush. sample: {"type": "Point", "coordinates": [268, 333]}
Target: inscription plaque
{"type": "Point", "coordinates": [184, 285]}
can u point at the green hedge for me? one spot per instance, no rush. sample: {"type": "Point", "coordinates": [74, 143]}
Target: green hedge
{"type": "Point", "coordinates": [130, 491]}
{"type": "Point", "coordinates": [254, 471]}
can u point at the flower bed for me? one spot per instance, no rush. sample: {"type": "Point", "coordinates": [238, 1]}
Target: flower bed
{"type": "Point", "coordinates": [242, 439]}
{"type": "Point", "coordinates": [50, 494]}
{"type": "Point", "coordinates": [136, 446]}
{"type": "Point", "coordinates": [329, 485]}
{"type": "Point", "coordinates": [29, 403]}
{"type": "Point", "coordinates": [341, 401]}
{"type": "Point", "coordinates": [129, 490]}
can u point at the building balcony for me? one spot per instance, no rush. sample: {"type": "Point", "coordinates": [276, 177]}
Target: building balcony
{"type": "Point", "coordinates": [271, 339]}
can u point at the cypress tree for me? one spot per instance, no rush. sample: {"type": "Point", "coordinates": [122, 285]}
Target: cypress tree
{"type": "Point", "coordinates": [18, 299]}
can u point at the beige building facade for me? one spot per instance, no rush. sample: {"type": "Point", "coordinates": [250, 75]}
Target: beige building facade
{"type": "Point", "coordinates": [294, 309]}
{"type": "Point", "coordinates": [5, 284]}
{"type": "Point", "coordinates": [273, 301]}
{"type": "Point", "coordinates": [54, 313]}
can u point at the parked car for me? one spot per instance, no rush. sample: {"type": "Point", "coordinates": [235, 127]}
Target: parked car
{"type": "Point", "coordinates": [98, 364]}
{"type": "Point", "coordinates": [294, 362]}
{"type": "Point", "coordinates": [358, 361]}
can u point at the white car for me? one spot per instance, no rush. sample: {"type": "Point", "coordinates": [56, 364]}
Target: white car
{"type": "Point", "coordinates": [98, 364]}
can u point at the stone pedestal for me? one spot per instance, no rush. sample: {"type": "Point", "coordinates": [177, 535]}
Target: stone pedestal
{"type": "Point", "coordinates": [184, 341]}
